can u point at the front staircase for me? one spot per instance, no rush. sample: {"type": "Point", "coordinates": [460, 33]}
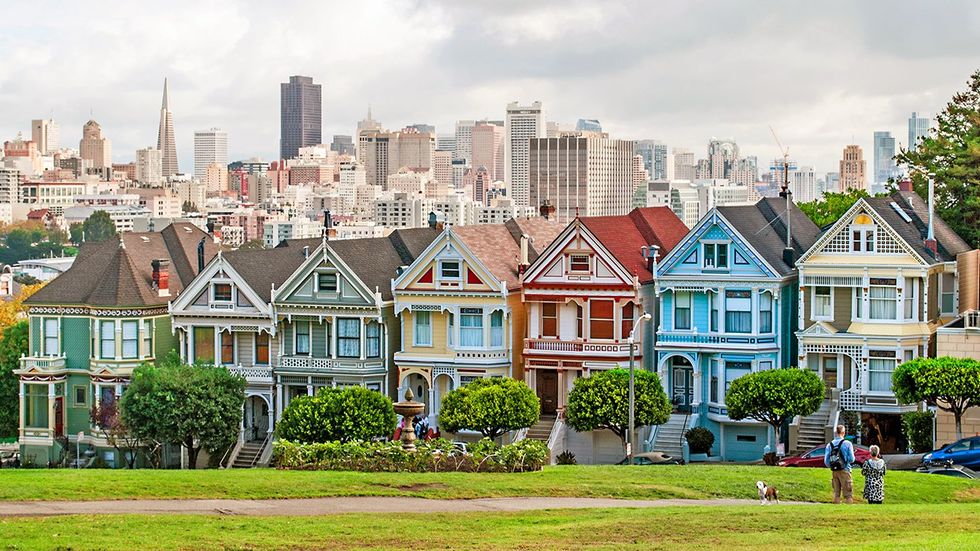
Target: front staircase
{"type": "Point", "coordinates": [670, 435]}
{"type": "Point", "coordinates": [813, 428]}
{"type": "Point", "coordinates": [249, 455]}
{"type": "Point", "coordinates": [542, 429]}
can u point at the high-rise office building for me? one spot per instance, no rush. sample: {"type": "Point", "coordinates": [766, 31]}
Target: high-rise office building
{"type": "Point", "coordinates": [684, 164]}
{"type": "Point", "coordinates": [523, 124]}
{"type": "Point", "coordinates": [722, 157]}
{"type": "Point", "coordinates": [919, 124]}
{"type": "Point", "coordinates": [446, 142]}
{"type": "Point", "coordinates": [655, 154]}
{"type": "Point", "coordinates": [885, 166]}
{"type": "Point", "coordinates": [588, 125]}
{"type": "Point", "coordinates": [300, 115]}
{"type": "Point", "coordinates": [149, 166]}
{"type": "Point", "coordinates": [488, 149]}
{"type": "Point", "coordinates": [802, 179]}
{"type": "Point", "coordinates": [464, 140]}
{"type": "Point", "coordinates": [210, 147]}
{"type": "Point", "coordinates": [93, 147]}
{"type": "Point", "coordinates": [853, 169]}
{"type": "Point", "coordinates": [45, 135]}
{"type": "Point", "coordinates": [382, 153]}
{"type": "Point", "coordinates": [442, 168]}
{"type": "Point", "coordinates": [343, 144]}
{"type": "Point", "coordinates": [165, 136]}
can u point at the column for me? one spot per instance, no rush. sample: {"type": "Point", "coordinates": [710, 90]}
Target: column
{"type": "Point", "coordinates": [23, 406]}
{"type": "Point", "coordinates": [278, 412]}
{"type": "Point", "coordinates": [363, 338]}
{"type": "Point", "coordinates": [432, 404]}
{"type": "Point", "coordinates": [51, 411]}
{"type": "Point", "coordinates": [696, 391]}
{"type": "Point", "coordinates": [331, 345]}
{"type": "Point", "coordinates": [561, 389]}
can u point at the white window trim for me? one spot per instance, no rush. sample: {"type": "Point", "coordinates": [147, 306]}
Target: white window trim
{"type": "Point", "coordinates": [296, 352]}
{"type": "Point", "coordinates": [442, 276]}
{"type": "Point", "coordinates": [213, 300]}
{"type": "Point", "coordinates": [588, 260]}
{"type": "Point", "coordinates": [44, 334]}
{"type": "Point", "coordinates": [673, 317]}
{"type": "Point", "coordinates": [813, 304]}
{"type": "Point", "coordinates": [415, 332]}
{"type": "Point", "coordinates": [484, 329]}
{"type": "Point", "coordinates": [864, 229]}
{"type": "Point", "coordinates": [866, 373]}
{"type": "Point", "coordinates": [333, 293]}
{"type": "Point", "coordinates": [715, 267]}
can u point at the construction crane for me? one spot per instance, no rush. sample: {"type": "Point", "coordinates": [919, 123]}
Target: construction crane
{"type": "Point", "coordinates": [788, 253]}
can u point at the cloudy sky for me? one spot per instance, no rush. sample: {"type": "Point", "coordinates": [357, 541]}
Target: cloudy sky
{"type": "Point", "coordinates": [823, 74]}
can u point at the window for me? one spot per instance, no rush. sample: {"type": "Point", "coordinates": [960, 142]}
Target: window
{"type": "Point", "coordinates": [716, 255]}
{"type": "Point", "coordinates": [471, 327]}
{"type": "Point", "coordinates": [909, 298]}
{"type": "Point", "coordinates": [863, 238]}
{"type": "Point", "coordinates": [130, 339]}
{"type": "Point", "coordinates": [715, 376]}
{"type": "Point", "coordinates": [262, 349]}
{"type": "Point", "coordinates": [579, 263]}
{"type": "Point", "coordinates": [549, 319]}
{"type": "Point", "coordinates": [372, 339]}
{"type": "Point", "coordinates": [221, 292]}
{"type": "Point", "coordinates": [51, 328]}
{"type": "Point", "coordinates": [765, 312]}
{"type": "Point", "coordinates": [947, 292]}
{"type": "Point", "coordinates": [147, 338]}
{"type": "Point", "coordinates": [738, 311]}
{"type": "Point", "coordinates": [449, 269]}
{"type": "Point", "coordinates": [326, 283]}
{"type": "Point", "coordinates": [497, 329]}
{"type": "Point", "coordinates": [303, 337]}
{"type": "Point", "coordinates": [81, 395]}
{"type": "Point", "coordinates": [880, 373]}
{"type": "Point", "coordinates": [627, 327]}
{"type": "Point", "coordinates": [452, 329]}
{"type": "Point", "coordinates": [858, 303]}
{"type": "Point", "coordinates": [882, 300]}
{"type": "Point", "coordinates": [204, 345]}
{"type": "Point", "coordinates": [734, 370]}
{"type": "Point", "coordinates": [601, 319]}
{"type": "Point", "coordinates": [682, 310]}
{"type": "Point", "coordinates": [423, 328]}
{"type": "Point", "coordinates": [107, 340]}
{"type": "Point", "coordinates": [579, 321]}
{"type": "Point", "coordinates": [227, 348]}
{"type": "Point", "coordinates": [822, 303]}
{"type": "Point", "coordinates": [713, 298]}
{"type": "Point", "coordinates": [348, 337]}
{"type": "Point", "coordinates": [36, 397]}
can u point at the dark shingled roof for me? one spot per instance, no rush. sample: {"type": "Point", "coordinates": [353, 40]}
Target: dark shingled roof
{"type": "Point", "coordinates": [376, 260]}
{"type": "Point", "coordinates": [949, 244]}
{"type": "Point", "coordinates": [263, 268]}
{"type": "Point", "coordinates": [118, 272]}
{"type": "Point", "coordinates": [763, 226]}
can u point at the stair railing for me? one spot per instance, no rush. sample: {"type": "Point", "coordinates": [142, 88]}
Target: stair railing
{"type": "Point", "coordinates": [261, 452]}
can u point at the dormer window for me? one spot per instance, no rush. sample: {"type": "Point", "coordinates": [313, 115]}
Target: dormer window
{"type": "Point", "coordinates": [863, 234]}
{"type": "Point", "coordinates": [326, 283]}
{"type": "Point", "coordinates": [221, 292]}
{"type": "Point", "coordinates": [715, 256]}
{"type": "Point", "coordinates": [579, 263]}
{"type": "Point", "coordinates": [450, 270]}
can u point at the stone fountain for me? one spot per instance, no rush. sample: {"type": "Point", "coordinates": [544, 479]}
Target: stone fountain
{"type": "Point", "coordinates": [408, 409]}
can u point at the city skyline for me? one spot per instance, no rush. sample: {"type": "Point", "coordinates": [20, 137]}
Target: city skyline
{"type": "Point", "coordinates": [639, 85]}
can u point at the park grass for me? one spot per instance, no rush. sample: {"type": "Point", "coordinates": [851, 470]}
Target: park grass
{"type": "Point", "coordinates": [647, 482]}
{"type": "Point", "coordinates": [811, 527]}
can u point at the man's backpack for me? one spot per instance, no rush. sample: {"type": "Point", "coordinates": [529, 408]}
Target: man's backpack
{"type": "Point", "coordinates": [837, 456]}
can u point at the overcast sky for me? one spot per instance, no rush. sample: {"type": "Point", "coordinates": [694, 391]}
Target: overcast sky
{"type": "Point", "coordinates": [821, 73]}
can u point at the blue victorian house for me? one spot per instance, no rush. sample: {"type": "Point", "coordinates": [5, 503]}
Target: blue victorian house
{"type": "Point", "coordinates": [728, 308]}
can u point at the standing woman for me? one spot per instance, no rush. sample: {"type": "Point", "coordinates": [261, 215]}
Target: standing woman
{"type": "Point", "coordinates": [874, 477]}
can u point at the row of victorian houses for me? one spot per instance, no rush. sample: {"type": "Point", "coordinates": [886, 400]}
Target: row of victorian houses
{"type": "Point", "coordinates": [748, 288]}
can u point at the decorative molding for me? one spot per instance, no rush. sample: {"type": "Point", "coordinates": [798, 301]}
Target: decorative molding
{"type": "Point", "coordinates": [96, 312]}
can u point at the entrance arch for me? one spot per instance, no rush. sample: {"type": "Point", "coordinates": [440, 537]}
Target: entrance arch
{"type": "Point", "coordinates": [680, 381]}
{"type": "Point", "coordinates": [256, 423]}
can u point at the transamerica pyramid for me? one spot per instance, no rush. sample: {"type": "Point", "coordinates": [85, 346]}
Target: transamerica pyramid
{"type": "Point", "coordinates": [165, 137]}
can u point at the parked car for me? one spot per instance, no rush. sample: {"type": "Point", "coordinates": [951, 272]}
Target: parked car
{"type": "Point", "coordinates": [948, 469]}
{"type": "Point", "coordinates": [653, 458]}
{"type": "Point", "coordinates": [814, 457]}
{"type": "Point", "coordinates": [964, 452]}
{"type": "Point", "coordinates": [10, 459]}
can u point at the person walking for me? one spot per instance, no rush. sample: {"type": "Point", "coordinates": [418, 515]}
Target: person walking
{"type": "Point", "coordinates": [838, 457]}
{"type": "Point", "coordinates": [873, 471]}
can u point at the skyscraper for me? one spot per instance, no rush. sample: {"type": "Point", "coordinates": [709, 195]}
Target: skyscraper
{"type": "Point", "coordinates": [300, 115]}
{"type": "Point", "coordinates": [918, 129]}
{"type": "Point", "coordinates": [343, 144]}
{"type": "Point", "coordinates": [210, 147]}
{"type": "Point", "coordinates": [464, 140]}
{"type": "Point", "coordinates": [885, 166]}
{"type": "Point", "coordinates": [45, 135]}
{"type": "Point", "coordinates": [488, 149]}
{"type": "Point", "coordinates": [588, 125]}
{"type": "Point", "coordinates": [93, 147]}
{"type": "Point", "coordinates": [683, 164]}
{"type": "Point", "coordinates": [165, 137]}
{"type": "Point", "coordinates": [148, 166]}
{"type": "Point", "coordinates": [852, 169]}
{"type": "Point", "coordinates": [523, 123]}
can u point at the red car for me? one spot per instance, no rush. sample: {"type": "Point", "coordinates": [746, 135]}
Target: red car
{"type": "Point", "coordinates": [814, 458]}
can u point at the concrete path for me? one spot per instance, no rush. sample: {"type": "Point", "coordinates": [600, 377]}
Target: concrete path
{"type": "Point", "coordinates": [337, 505]}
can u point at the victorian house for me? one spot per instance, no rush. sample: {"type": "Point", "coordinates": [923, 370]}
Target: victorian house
{"type": "Point", "coordinates": [873, 290]}
{"type": "Point", "coordinates": [91, 326]}
{"type": "Point", "coordinates": [728, 296]}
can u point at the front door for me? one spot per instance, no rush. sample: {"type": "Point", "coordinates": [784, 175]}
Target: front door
{"type": "Point", "coordinates": [830, 372]}
{"type": "Point", "coordinates": [683, 388]}
{"type": "Point", "coordinates": [547, 385]}
{"type": "Point", "coordinates": [59, 416]}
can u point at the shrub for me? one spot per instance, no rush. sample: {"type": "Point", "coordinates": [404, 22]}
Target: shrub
{"type": "Point", "coordinates": [337, 414]}
{"type": "Point", "coordinates": [566, 458]}
{"type": "Point", "coordinates": [917, 426]}
{"type": "Point", "coordinates": [699, 440]}
{"type": "Point", "coordinates": [491, 406]}
{"type": "Point", "coordinates": [950, 384]}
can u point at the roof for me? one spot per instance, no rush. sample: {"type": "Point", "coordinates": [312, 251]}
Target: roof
{"type": "Point", "coordinates": [376, 260]}
{"type": "Point", "coordinates": [117, 272]}
{"type": "Point", "coordinates": [949, 244]}
{"type": "Point", "coordinates": [763, 226]}
{"type": "Point", "coordinates": [263, 268]}
{"type": "Point", "coordinates": [624, 236]}
{"type": "Point", "coordinates": [498, 246]}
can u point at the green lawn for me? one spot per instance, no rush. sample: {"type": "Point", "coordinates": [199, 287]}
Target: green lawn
{"type": "Point", "coordinates": [687, 481]}
{"type": "Point", "coordinates": [773, 527]}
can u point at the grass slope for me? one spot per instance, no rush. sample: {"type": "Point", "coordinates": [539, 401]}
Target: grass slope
{"type": "Point", "coordinates": [775, 527]}
{"type": "Point", "coordinates": [687, 481]}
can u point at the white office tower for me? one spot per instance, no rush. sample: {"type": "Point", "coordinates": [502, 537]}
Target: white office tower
{"type": "Point", "coordinates": [464, 141]}
{"type": "Point", "coordinates": [919, 124]}
{"type": "Point", "coordinates": [45, 135]}
{"type": "Point", "coordinates": [522, 124]}
{"type": "Point", "coordinates": [210, 147]}
{"type": "Point", "coordinates": [149, 166]}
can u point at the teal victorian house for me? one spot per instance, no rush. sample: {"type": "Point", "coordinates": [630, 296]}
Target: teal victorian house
{"type": "Point", "coordinates": [728, 308]}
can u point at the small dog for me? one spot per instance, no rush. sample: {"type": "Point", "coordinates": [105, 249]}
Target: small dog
{"type": "Point", "coordinates": [767, 494]}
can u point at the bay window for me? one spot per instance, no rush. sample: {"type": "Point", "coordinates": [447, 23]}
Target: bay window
{"type": "Point", "coordinates": [601, 319]}
{"type": "Point", "coordinates": [549, 319]}
{"type": "Point", "coordinates": [882, 299]}
{"type": "Point", "coordinates": [451, 337]}
{"type": "Point", "coordinates": [52, 328]}
{"type": "Point", "coordinates": [302, 337]}
{"type": "Point", "coordinates": [765, 312]}
{"type": "Point", "coordinates": [682, 310]}
{"type": "Point", "coordinates": [107, 340]}
{"type": "Point", "coordinates": [348, 337]}
{"type": "Point", "coordinates": [908, 298]}
{"type": "Point", "coordinates": [372, 339]}
{"type": "Point", "coordinates": [497, 329]}
{"type": "Point", "coordinates": [713, 300]}
{"type": "Point", "coordinates": [147, 338]}
{"type": "Point", "coordinates": [130, 339]}
{"type": "Point", "coordinates": [823, 308]}
{"type": "Point", "coordinates": [579, 321]}
{"type": "Point", "coordinates": [880, 373]}
{"type": "Point", "coordinates": [423, 328]}
{"type": "Point", "coordinates": [471, 327]}
{"type": "Point", "coordinates": [36, 397]}
{"type": "Point", "coordinates": [738, 311]}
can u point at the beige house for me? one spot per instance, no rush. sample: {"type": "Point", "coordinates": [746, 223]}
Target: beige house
{"type": "Point", "coordinates": [961, 338]}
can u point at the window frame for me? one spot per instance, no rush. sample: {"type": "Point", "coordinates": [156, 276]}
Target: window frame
{"type": "Point", "coordinates": [712, 255]}
{"type": "Point", "coordinates": [677, 308]}
{"type": "Point", "coordinates": [417, 317]}
{"type": "Point", "coordinates": [892, 301]}
{"type": "Point", "coordinates": [321, 277]}
{"type": "Point", "coordinates": [214, 292]}
{"type": "Point", "coordinates": [348, 338]}
{"type": "Point", "coordinates": [829, 316]}
{"type": "Point", "coordinates": [45, 337]}
{"type": "Point", "coordinates": [103, 341]}
{"type": "Point", "coordinates": [471, 314]}
{"type": "Point", "coordinates": [766, 324]}
{"type": "Point", "coordinates": [372, 340]}
{"type": "Point", "coordinates": [459, 270]}
{"type": "Point", "coordinates": [257, 346]}
{"type": "Point", "coordinates": [602, 322]}
{"type": "Point", "coordinates": [308, 334]}
{"type": "Point", "coordinates": [872, 371]}
{"type": "Point", "coordinates": [134, 341]}
{"type": "Point", "coordinates": [576, 258]}
{"type": "Point", "coordinates": [497, 329]}
{"type": "Point", "coordinates": [147, 338]}
{"type": "Point", "coordinates": [742, 314]}
{"type": "Point", "coordinates": [227, 345]}
{"type": "Point", "coordinates": [545, 317]}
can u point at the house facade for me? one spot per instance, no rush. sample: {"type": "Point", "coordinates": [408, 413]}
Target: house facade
{"type": "Point", "coordinates": [728, 308]}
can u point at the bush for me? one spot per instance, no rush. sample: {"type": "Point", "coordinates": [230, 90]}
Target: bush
{"type": "Point", "coordinates": [917, 426]}
{"type": "Point", "coordinates": [438, 455]}
{"type": "Point", "coordinates": [491, 406]}
{"type": "Point", "coordinates": [699, 440]}
{"type": "Point", "coordinates": [566, 458]}
{"type": "Point", "coordinates": [337, 414]}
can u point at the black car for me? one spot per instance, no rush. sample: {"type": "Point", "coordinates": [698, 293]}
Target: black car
{"type": "Point", "coordinates": [948, 469]}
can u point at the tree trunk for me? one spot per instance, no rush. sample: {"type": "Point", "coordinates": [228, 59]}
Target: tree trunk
{"type": "Point", "coordinates": [191, 453]}
{"type": "Point", "coordinates": [958, 416]}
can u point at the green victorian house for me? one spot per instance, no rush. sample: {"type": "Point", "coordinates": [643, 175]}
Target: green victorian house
{"type": "Point", "coordinates": [91, 326]}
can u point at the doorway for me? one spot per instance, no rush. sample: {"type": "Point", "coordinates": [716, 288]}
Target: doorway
{"type": "Point", "coordinates": [682, 383]}
{"type": "Point", "coordinates": [59, 416]}
{"type": "Point", "coordinates": [547, 387]}
{"type": "Point", "coordinates": [256, 418]}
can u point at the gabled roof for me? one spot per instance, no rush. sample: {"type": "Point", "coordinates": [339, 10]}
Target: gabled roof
{"type": "Point", "coordinates": [763, 226]}
{"type": "Point", "coordinates": [263, 268]}
{"type": "Point", "coordinates": [376, 260]}
{"type": "Point", "coordinates": [624, 236]}
{"type": "Point", "coordinates": [498, 246]}
{"type": "Point", "coordinates": [118, 272]}
{"type": "Point", "coordinates": [949, 244]}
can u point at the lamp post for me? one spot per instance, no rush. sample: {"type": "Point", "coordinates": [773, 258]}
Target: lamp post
{"type": "Point", "coordinates": [631, 436]}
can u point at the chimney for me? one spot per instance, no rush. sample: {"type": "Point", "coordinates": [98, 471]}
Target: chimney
{"type": "Point", "coordinates": [437, 220]}
{"type": "Point", "coordinates": [930, 233]}
{"type": "Point", "coordinates": [306, 251]}
{"type": "Point", "coordinates": [651, 254]}
{"type": "Point", "coordinates": [210, 226]}
{"type": "Point", "coordinates": [524, 262]}
{"type": "Point", "coordinates": [161, 277]}
{"type": "Point", "coordinates": [200, 255]}
{"type": "Point", "coordinates": [905, 185]}
{"type": "Point", "coordinates": [547, 209]}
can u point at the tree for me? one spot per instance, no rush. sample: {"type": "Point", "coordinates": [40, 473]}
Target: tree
{"type": "Point", "coordinates": [774, 396]}
{"type": "Point", "coordinates": [13, 310]}
{"type": "Point", "coordinates": [491, 406]}
{"type": "Point", "coordinates": [98, 227]}
{"type": "Point", "coordinates": [13, 345]}
{"type": "Point", "coordinates": [75, 233]}
{"type": "Point", "coordinates": [832, 206]}
{"type": "Point", "coordinates": [952, 153]}
{"type": "Point", "coordinates": [337, 414]}
{"type": "Point", "coordinates": [197, 406]}
{"type": "Point", "coordinates": [107, 418]}
{"type": "Point", "coordinates": [602, 402]}
{"type": "Point", "coordinates": [950, 384]}
{"type": "Point", "coordinates": [187, 206]}
{"type": "Point", "coordinates": [27, 279]}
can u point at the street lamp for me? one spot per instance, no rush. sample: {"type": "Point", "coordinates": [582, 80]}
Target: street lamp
{"type": "Point", "coordinates": [631, 436]}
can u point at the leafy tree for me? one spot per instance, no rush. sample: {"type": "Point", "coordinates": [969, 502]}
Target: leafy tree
{"type": "Point", "coordinates": [26, 279]}
{"type": "Point", "coordinates": [107, 417]}
{"type": "Point", "coordinates": [99, 227]}
{"type": "Point", "coordinates": [13, 345]}
{"type": "Point", "coordinates": [490, 406]}
{"type": "Point", "coordinates": [187, 206]}
{"type": "Point", "coordinates": [337, 414]}
{"type": "Point", "coordinates": [75, 233]}
{"type": "Point", "coordinates": [832, 206]}
{"type": "Point", "coordinates": [952, 153]}
{"type": "Point", "coordinates": [13, 310]}
{"type": "Point", "coordinates": [950, 384]}
{"type": "Point", "coordinates": [602, 402]}
{"type": "Point", "coordinates": [197, 406]}
{"type": "Point", "coordinates": [774, 396]}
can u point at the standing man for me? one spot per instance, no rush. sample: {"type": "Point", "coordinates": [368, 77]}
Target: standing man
{"type": "Point", "coordinates": [838, 457]}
